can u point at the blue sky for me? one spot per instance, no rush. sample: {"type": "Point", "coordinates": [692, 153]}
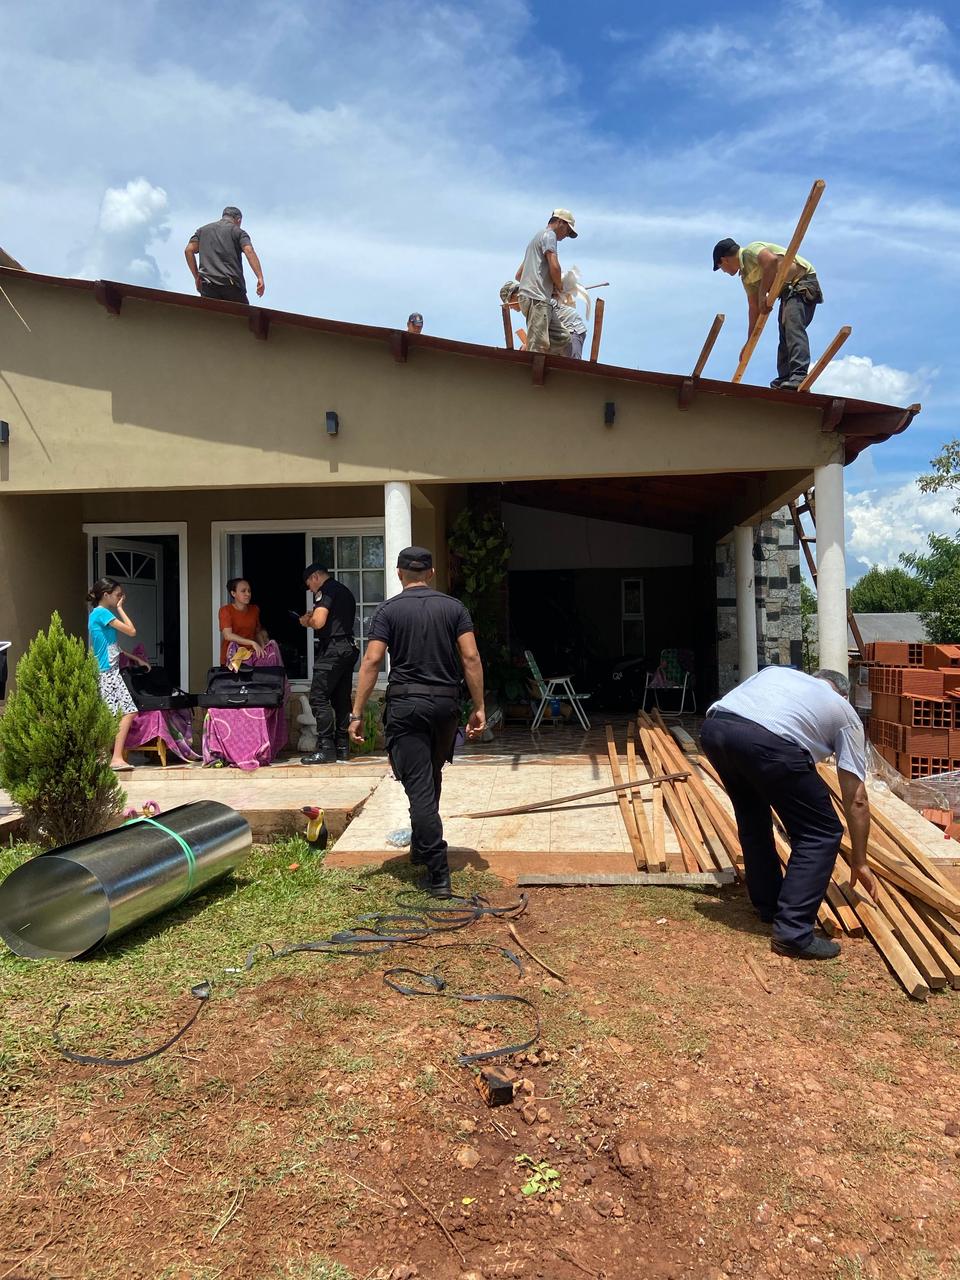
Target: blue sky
{"type": "Point", "coordinates": [398, 155]}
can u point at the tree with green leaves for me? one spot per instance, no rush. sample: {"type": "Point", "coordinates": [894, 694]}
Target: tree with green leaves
{"type": "Point", "coordinates": [941, 561]}
{"type": "Point", "coordinates": [888, 591]}
{"type": "Point", "coordinates": [941, 614]}
{"type": "Point", "coordinates": [56, 736]}
{"type": "Point", "coordinates": [946, 472]}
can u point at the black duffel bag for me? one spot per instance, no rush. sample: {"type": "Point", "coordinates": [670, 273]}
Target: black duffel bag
{"type": "Point", "coordinates": [153, 690]}
{"type": "Point", "coordinates": [248, 687]}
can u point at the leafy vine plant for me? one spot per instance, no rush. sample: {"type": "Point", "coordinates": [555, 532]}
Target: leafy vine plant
{"type": "Point", "coordinates": [481, 550]}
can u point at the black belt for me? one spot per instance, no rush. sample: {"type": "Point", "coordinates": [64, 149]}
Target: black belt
{"type": "Point", "coordinates": [423, 690]}
{"type": "Point", "coordinates": [720, 714]}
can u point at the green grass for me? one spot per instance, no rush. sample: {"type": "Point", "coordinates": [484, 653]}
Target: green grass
{"type": "Point", "coordinates": [125, 996]}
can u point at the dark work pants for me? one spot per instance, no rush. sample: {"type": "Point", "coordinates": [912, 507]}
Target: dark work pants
{"type": "Point", "coordinates": [763, 771]}
{"type": "Point", "coordinates": [420, 733]}
{"type": "Point", "coordinates": [226, 292]}
{"type": "Point", "coordinates": [332, 688]}
{"type": "Point", "coordinates": [793, 353]}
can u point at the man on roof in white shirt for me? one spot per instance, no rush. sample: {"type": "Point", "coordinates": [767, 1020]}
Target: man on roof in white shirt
{"type": "Point", "coordinates": [764, 739]}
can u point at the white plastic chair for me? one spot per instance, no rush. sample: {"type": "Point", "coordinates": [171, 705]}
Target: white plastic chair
{"type": "Point", "coordinates": [556, 687]}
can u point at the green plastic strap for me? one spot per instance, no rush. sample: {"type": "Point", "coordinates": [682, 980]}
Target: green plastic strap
{"type": "Point", "coordinates": [188, 853]}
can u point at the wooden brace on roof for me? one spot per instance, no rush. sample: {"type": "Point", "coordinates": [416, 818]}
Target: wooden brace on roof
{"type": "Point", "coordinates": [108, 296]}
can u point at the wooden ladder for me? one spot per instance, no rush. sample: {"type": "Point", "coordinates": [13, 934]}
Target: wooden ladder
{"type": "Point", "coordinates": [807, 506]}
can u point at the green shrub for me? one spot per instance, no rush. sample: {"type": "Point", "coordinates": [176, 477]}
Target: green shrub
{"type": "Point", "coordinates": [56, 736]}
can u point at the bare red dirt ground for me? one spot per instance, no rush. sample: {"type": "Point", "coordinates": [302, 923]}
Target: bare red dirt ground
{"type": "Point", "coordinates": [698, 1125]}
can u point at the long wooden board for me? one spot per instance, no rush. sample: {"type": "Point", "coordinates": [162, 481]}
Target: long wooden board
{"type": "Point", "coordinates": [626, 809]}
{"type": "Point", "coordinates": [668, 879]}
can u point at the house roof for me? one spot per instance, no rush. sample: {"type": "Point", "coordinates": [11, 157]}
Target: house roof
{"type": "Point", "coordinates": [861, 422]}
{"type": "Point", "coordinates": [904, 627]}
{"type": "Point", "coordinates": [7, 261]}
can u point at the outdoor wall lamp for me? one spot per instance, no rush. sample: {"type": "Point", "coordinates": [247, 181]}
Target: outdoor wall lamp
{"type": "Point", "coordinates": [4, 433]}
{"type": "Point", "coordinates": [609, 413]}
{"type": "Point", "coordinates": [333, 423]}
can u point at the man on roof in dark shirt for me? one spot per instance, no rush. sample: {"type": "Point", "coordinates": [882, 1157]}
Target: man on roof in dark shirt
{"type": "Point", "coordinates": [333, 618]}
{"type": "Point", "coordinates": [222, 246]}
{"type": "Point", "coordinates": [432, 645]}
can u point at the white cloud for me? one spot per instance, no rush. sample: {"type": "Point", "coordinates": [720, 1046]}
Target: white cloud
{"type": "Point", "coordinates": [861, 379]}
{"type": "Point", "coordinates": [881, 525]}
{"type": "Point", "coordinates": [899, 52]}
{"type": "Point", "coordinates": [132, 219]}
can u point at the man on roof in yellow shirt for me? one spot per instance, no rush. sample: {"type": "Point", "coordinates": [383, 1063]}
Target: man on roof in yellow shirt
{"type": "Point", "coordinates": [756, 265]}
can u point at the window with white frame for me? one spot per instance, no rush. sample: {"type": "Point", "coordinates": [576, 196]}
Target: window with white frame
{"type": "Point", "coordinates": [271, 555]}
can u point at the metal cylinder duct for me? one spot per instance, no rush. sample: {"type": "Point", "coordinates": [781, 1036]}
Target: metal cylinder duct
{"type": "Point", "coordinates": [69, 900]}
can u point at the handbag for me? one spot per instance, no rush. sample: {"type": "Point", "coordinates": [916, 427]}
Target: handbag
{"type": "Point", "coordinates": [153, 690]}
{"type": "Point", "coordinates": [248, 687]}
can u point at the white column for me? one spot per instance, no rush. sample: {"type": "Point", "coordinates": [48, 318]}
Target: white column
{"type": "Point", "coordinates": [743, 536]}
{"type": "Point", "coordinates": [831, 567]}
{"type": "Point", "coordinates": [397, 529]}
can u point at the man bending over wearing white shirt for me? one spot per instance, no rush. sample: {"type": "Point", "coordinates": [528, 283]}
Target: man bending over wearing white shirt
{"type": "Point", "coordinates": [764, 739]}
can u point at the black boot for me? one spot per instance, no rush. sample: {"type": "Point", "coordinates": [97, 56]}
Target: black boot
{"type": "Point", "coordinates": [343, 748]}
{"type": "Point", "coordinates": [436, 883]}
{"type": "Point", "coordinates": [326, 753]}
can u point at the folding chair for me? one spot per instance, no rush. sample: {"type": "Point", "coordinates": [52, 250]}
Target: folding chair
{"type": "Point", "coordinates": [674, 672]}
{"type": "Point", "coordinates": [557, 687]}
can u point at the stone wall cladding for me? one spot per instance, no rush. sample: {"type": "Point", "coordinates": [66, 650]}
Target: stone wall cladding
{"type": "Point", "coordinates": [777, 581]}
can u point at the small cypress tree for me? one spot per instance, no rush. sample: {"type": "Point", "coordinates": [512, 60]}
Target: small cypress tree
{"type": "Point", "coordinates": [56, 736]}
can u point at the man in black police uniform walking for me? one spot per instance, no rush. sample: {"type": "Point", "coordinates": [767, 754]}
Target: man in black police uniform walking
{"type": "Point", "coordinates": [431, 643]}
{"type": "Point", "coordinates": [332, 617]}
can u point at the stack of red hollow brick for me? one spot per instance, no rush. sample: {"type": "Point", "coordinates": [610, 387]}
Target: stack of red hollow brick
{"type": "Point", "coordinates": [915, 706]}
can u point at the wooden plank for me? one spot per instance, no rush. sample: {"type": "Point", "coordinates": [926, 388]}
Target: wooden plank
{"type": "Point", "coordinates": [710, 835]}
{"type": "Point", "coordinates": [708, 345]}
{"type": "Point", "coordinates": [685, 839]}
{"type": "Point", "coordinates": [507, 327]}
{"type": "Point", "coordinates": [842, 335]}
{"type": "Point", "coordinates": [902, 874]}
{"type": "Point", "coordinates": [758, 973]}
{"type": "Point", "coordinates": [943, 957]}
{"type": "Point", "coordinates": [779, 280]}
{"type": "Point", "coordinates": [910, 940]}
{"type": "Point", "coordinates": [684, 740]}
{"type": "Point", "coordinates": [704, 764]}
{"type": "Point", "coordinates": [887, 945]}
{"type": "Point", "coordinates": [721, 822]}
{"type": "Point", "coordinates": [597, 329]}
{"type": "Point", "coordinates": [626, 809]}
{"type": "Point", "coordinates": [843, 910]}
{"type": "Point", "coordinates": [668, 879]}
{"type": "Point", "coordinates": [636, 801]}
{"type": "Point", "coordinates": [554, 801]}
{"type": "Point", "coordinates": [898, 842]}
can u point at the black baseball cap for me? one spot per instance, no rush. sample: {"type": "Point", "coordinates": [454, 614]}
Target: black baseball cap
{"type": "Point", "coordinates": [415, 318]}
{"type": "Point", "coordinates": [723, 249]}
{"type": "Point", "coordinates": [415, 558]}
{"type": "Point", "coordinates": [315, 567]}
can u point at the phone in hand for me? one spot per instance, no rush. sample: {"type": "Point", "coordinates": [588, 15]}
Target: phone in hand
{"type": "Point", "coordinates": [293, 614]}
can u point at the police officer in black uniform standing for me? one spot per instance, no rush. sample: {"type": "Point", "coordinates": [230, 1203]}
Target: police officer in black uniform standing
{"type": "Point", "coordinates": [332, 617]}
{"type": "Point", "coordinates": [432, 646]}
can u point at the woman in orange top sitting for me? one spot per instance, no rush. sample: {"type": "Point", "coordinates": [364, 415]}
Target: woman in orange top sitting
{"type": "Point", "coordinates": [240, 620]}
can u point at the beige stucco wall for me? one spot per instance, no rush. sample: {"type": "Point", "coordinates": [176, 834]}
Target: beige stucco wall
{"type": "Point", "coordinates": [166, 397]}
{"type": "Point", "coordinates": [42, 567]}
{"type": "Point", "coordinates": [43, 550]}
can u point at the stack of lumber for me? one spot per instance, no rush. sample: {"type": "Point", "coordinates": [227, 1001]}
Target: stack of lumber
{"type": "Point", "coordinates": [704, 834]}
{"type": "Point", "coordinates": [915, 924]}
{"type": "Point", "coordinates": [915, 706]}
